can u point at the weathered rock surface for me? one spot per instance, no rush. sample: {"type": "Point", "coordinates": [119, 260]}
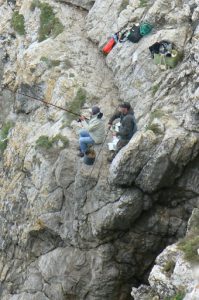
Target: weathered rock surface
{"type": "Point", "coordinates": [173, 274]}
{"type": "Point", "coordinates": [86, 4]}
{"type": "Point", "coordinates": [70, 231]}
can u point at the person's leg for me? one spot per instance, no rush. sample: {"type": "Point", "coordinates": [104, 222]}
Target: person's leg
{"type": "Point", "coordinates": [84, 133]}
{"type": "Point", "coordinates": [84, 142]}
{"type": "Point", "coordinates": [120, 145]}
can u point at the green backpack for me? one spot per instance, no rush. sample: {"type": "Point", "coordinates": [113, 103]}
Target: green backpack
{"type": "Point", "coordinates": [145, 28]}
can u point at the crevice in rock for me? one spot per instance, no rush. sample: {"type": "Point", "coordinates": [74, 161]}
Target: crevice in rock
{"type": "Point", "coordinates": [43, 241]}
{"type": "Point", "coordinates": [78, 7]}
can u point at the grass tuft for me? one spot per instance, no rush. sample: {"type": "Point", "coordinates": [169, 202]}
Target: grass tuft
{"type": "Point", "coordinates": [50, 62]}
{"type": "Point", "coordinates": [178, 296]}
{"type": "Point", "coordinates": [18, 22]}
{"type": "Point", "coordinates": [50, 25]}
{"type": "Point", "coordinates": [143, 3]}
{"type": "Point", "coordinates": [169, 266]}
{"type": "Point", "coordinates": [77, 103]}
{"type": "Point", "coordinates": [158, 113]}
{"type": "Point", "coordinates": [34, 4]}
{"type": "Point", "coordinates": [4, 136]}
{"type": "Point", "coordinates": [45, 142]}
{"type": "Point", "coordinates": [124, 5]}
{"type": "Point", "coordinates": [190, 245]}
{"type": "Point", "coordinates": [60, 138]}
{"type": "Point", "coordinates": [155, 88]}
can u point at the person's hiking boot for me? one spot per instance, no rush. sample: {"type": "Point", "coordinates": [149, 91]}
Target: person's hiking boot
{"type": "Point", "coordinates": [80, 154]}
{"type": "Point", "coordinates": [111, 157]}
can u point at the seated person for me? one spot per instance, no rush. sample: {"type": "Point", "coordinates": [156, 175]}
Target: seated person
{"type": "Point", "coordinates": [93, 131]}
{"type": "Point", "coordinates": [128, 125]}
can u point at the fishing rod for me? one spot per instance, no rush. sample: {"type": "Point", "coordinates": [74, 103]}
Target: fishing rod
{"type": "Point", "coordinates": [47, 103]}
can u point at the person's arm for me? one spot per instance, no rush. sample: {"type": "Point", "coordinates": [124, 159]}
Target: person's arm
{"type": "Point", "coordinates": [84, 124]}
{"type": "Point", "coordinates": [114, 117]}
{"type": "Point", "coordinates": [92, 125]}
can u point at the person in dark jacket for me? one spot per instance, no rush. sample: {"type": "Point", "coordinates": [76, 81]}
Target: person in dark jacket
{"type": "Point", "coordinates": [128, 125]}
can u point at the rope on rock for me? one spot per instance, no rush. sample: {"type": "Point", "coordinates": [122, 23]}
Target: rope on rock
{"type": "Point", "coordinates": [101, 147]}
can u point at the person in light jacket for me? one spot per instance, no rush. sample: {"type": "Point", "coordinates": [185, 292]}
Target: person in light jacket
{"type": "Point", "coordinates": [93, 131]}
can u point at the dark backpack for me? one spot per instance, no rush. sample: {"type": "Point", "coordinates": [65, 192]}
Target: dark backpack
{"type": "Point", "coordinates": [134, 34]}
{"type": "Point", "coordinates": [162, 47]}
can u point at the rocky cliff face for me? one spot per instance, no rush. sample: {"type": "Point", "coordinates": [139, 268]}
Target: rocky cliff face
{"type": "Point", "coordinates": [69, 231]}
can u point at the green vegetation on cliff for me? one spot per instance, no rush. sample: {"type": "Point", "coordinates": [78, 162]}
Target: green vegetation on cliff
{"type": "Point", "coordinates": [178, 296]}
{"type": "Point", "coordinates": [50, 62]}
{"type": "Point", "coordinates": [46, 142]}
{"type": "Point", "coordinates": [77, 103]}
{"type": "Point", "coordinates": [143, 3]}
{"type": "Point", "coordinates": [4, 136]}
{"type": "Point", "coordinates": [50, 25]}
{"type": "Point", "coordinates": [18, 23]}
{"type": "Point", "coordinates": [190, 245]}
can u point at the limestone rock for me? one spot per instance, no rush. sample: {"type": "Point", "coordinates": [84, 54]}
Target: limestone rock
{"type": "Point", "coordinates": [173, 272]}
{"type": "Point", "coordinates": [63, 167]}
{"type": "Point", "coordinates": [111, 216]}
{"type": "Point", "coordinates": [143, 293]}
{"type": "Point", "coordinates": [26, 296]}
{"type": "Point", "coordinates": [126, 166]}
{"type": "Point", "coordinates": [168, 281]}
{"type": "Point", "coordinates": [25, 101]}
{"type": "Point", "coordinates": [73, 231]}
{"type": "Point", "coordinates": [86, 4]}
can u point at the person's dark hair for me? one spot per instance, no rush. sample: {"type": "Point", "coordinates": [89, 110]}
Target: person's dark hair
{"type": "Point", "coordinates": [125, 105]}
{"type": "Point", "coordinates": [100, 115]}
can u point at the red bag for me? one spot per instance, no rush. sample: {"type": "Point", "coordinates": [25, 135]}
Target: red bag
{"type": "Point", "coordinates": [109, 46]}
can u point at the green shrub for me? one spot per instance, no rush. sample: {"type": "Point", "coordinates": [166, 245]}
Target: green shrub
{"type": "Point", "coordinates": [124, 5]}
{"type": "Point", "coordinates": [77, 103]}
{"type": "Point", "coordinates": [18, 22]}
{"type": "Point", "coordinates": [143, 3]}
{"type": "Point", "coordinates": [50, 62]}
{"type": "Point", "coordinates": [57, 27]}
{"type": "Point", "coordinates": [4, 136]}
{"type": "Point", "coordinates": [67, 64]}
{"type": "Point", "coordinates": [169, 266]}
{"type": "Point", "coordinates": [34, 4]}
{"type": "Point", "coordinates": [189, 245]}
{"type": "Point", "coordinates": [155, 88]}
{"type": "Point", "coordinates": [62, 139]}
{"type": "Point", "coordinates": [178, 296]}
{"type": "Point", "coordinates": [46, 142]}
{"type": "Point", "coordinates": [49, 24]}
{"type": "Point", "coordinates": [55, 62]}
{"type": "Point", "coordinates": [158, 113]}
